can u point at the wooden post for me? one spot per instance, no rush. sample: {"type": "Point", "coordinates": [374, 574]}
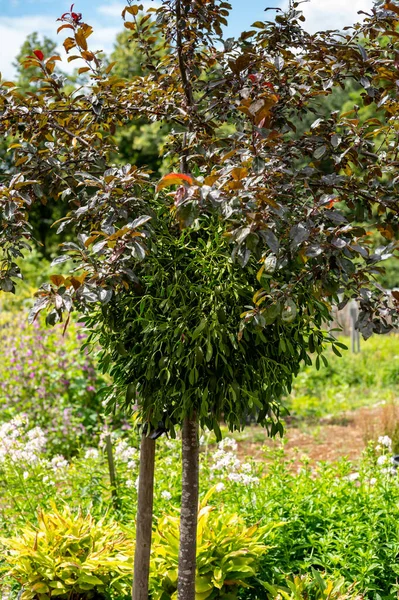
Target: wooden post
{"type": "Point", "coordinates": [112, 471]}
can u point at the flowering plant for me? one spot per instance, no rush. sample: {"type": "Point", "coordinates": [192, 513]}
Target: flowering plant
{"type": "Point", "coordinates": [46, 378]}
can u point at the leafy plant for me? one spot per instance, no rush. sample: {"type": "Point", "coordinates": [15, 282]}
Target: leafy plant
{"type": "Point", "coordinates": [314, 586]}
{"type": "Point", "coordinates": [228, 554]}
{"type": "Point", "coordinates": [70, 556]}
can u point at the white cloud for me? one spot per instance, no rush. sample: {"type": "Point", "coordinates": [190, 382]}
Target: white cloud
{"type": "Point", "coordinates": [103, 38]}
{"type": "Point", "coordinates": [333, 14]}
{"type": "Point", "coordinates": [111, 10]}
{"type": "Point", "coordinates": [13, 32]}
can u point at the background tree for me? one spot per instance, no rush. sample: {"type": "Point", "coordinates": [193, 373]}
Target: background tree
{"type": "Point", "coordinates": [29, 78]}
{"type": "Point", "coordinates": [141, 141]}
{"type": "Point", "coordinates": [289, 206]}
{"type": "Point", "coordinates": [48, 210]}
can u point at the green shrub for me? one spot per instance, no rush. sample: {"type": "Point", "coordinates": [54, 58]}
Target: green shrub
{"type": "Point", "coordinates": [315, 586]}
{"type": "Point", "coordinates": [339, 518]}
{"type": "Point", "coordinates": [70, 557]}
{"type": "Point", "coordinates": [228, 555]}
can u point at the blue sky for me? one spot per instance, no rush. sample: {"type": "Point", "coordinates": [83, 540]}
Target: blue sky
{"type": "Point", "coordinates": [18, 18]}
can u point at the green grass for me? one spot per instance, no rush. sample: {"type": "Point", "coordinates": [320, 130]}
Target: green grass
{"type": "Point", "coordinates": [350, 382]}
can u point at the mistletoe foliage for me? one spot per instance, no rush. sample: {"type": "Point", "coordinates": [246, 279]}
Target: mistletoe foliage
{"type": "Point", "coordinates": [173, 338]}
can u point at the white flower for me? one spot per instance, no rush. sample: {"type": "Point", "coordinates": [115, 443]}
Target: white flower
{"type": "Point", "coordinates": [243, 478]}
{"type": "Point", "coordinates": [353, 476]}
{"type": "Point", "coordinates": [166, 495]}
{"type": "Point", "coordinates": [236, 477]}
{"type": "Point", "coordinates": [46, 479]}
{"type": "Point", "coordinates": [248, 480]}
{"type": "Point", "coordinates": [228, 443]}
{"type": "Point", "coordinates": [373, 481]}
{"type": "Point", "coordinates": [246, 468]}
{"type": "Point", "coordinates": [129, 483]}
{"type": "Point", "coordinates": [20, 445]}
{"type": "Point", "coordinates": [386, 441]}
{"type": "Point", "coordinates": [124, 452]}
{"type": "Point", "coordinates": [18, 421]}
{"type": "Point", "coordinates": [91, 453]}
{"type": "Point", "coordinates": [58, 462]}
{"type": "Point", "coordinates": [131, 465]}
{"type": "Point", "coordinates": [25, 475]}
{"type": "Point", "coordinates": [389, 471]}
{"type": "Point", "coordinates": [381, 460]}
{"type": "Point", "coordinates": [136, 483]}
{"type": "Point", "coordinates": [219, 487]}
{"type": "Point", "coordinates": [225, 460]}
{"type": "Point", "coordinates": [171, 444]}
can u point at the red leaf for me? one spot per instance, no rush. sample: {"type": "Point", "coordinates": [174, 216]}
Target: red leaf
{"type": "Point", "coordinates": [174, 179]}
{"type": "Point", "coordinates": [39, 54]}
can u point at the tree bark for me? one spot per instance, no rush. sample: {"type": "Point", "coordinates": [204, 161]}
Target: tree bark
{"type": "Point", "coordinates": [190, 443]}
{"type": "Point", "coordinates": [189, 510]}
{"type": "Point", "coordinates": [144, 519]}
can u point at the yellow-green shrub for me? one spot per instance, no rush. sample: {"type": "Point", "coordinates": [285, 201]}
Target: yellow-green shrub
{"type": "Point", "coordinates": [69, 556]}
{"type": "Point", "coordinates": [227, 555]}
{"type": "Point", "coordinates": [315, 586]}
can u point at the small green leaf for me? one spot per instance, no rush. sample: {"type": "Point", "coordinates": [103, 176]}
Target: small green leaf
{"type": "Point", "coordinates": [197, 332]}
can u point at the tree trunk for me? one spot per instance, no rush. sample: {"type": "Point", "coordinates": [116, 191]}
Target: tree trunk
{"type": "Point", "coordinates": [144, 519]}
{"type": "Point", "coordinates": [189, 510]}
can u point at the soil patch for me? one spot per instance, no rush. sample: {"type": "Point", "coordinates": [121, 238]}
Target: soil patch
{"type": "Point", "coordinates": [332, 438]}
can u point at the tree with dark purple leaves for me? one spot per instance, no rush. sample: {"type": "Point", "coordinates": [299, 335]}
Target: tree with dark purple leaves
{"type": "Point", "coordinates": [209, 287]}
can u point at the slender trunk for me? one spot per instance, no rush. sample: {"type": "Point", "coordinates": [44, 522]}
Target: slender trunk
{"type": "Point", "coordinates": [190, 447]}
{"type": "Point", "coordinates": [112, 471]}
{"type": "Point", "coordinates": [144, 519]}
{"type": "Point", "coordinates": [189, 510]}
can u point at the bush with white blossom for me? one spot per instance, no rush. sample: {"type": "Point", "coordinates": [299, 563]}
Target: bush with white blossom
{"type": "Point", "coordinates": [227, 466]}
